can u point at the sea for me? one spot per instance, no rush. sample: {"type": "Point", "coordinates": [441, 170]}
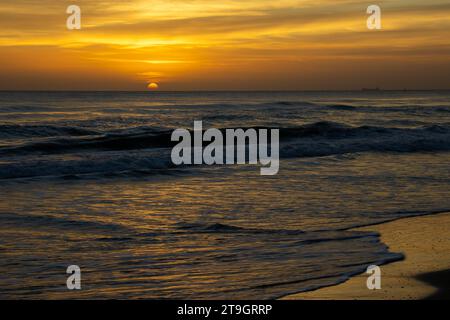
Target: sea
{"type": "Point", "coordinates": [86, 179]}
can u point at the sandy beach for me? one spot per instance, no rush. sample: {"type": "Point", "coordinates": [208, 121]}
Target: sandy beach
{"type": "Point", "coordinates": [423, 274]}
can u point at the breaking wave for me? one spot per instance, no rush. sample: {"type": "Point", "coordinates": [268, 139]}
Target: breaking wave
{"type": "Point", "coordinates": [144, 150]}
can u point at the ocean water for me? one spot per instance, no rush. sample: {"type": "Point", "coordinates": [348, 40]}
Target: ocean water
{"type": "Point", "coordinates": [86, 179]}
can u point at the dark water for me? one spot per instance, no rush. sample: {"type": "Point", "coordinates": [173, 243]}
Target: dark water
{"type": "Point", "coordinates": [86, 179]}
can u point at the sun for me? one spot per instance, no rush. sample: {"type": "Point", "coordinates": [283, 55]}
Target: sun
{"type": "Point", "coordinates": [153, 86]}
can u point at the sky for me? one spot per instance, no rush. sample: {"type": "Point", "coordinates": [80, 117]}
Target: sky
{"type": "Point", "coordinates": [224, 45]}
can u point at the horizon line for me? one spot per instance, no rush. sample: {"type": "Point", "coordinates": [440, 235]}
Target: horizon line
{"type": "Point", "coordinates": [224, 90]}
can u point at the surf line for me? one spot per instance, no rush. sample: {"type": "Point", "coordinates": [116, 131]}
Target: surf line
{"type": "Point", "coordinates": [250, 146]}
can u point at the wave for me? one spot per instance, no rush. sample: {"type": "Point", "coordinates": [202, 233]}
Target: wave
{"type": "Point", "coordinates": [294, 103]}
{"type": "Point", "coordinates": [130, 139]}
{"type": "Point", "coordinates": [146, 150]}
{"type": "Point", "coordinates": [225, 228]}
{"type": "Point", "coordinates": [334, 130]}
{"type": "Point", "coordinates": [46, 221]}
{"type": "Point", "coordinates": [434, 137]}
{"type": "Point", "coordinates": [228, 117]}
{"type": "Point", "coordinates": [282, 106]}
{"type": "Point", "coordinates": [410, 109]}
{"type": "Point", "coordinates": [302, 237]}
{"type": "Point", "coordinates": [328, 138]}
{"type": "Point", "coordinates": [98, 164]}
{"type": "Point", "coordinates": [344, 107]}
{"type": "Point", "coordinates": [354, 105]}
{"type": "Point", "coordinates": [32, 131]}
{"type": "Point", "coordinates": [25, 109]}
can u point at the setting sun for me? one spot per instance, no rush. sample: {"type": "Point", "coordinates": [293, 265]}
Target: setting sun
{"type": "Point", "coordinates": [153, 86]}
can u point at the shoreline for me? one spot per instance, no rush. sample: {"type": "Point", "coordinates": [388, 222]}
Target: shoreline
{"type": "Point", "coordinates": [424, 273]}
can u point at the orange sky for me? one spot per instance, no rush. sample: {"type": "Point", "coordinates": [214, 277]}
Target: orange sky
{"type": "Point", "coordinates": [224, 45]}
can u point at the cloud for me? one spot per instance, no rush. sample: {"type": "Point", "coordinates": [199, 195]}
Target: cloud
{"type": "Point", "coordinates": [177, 38]}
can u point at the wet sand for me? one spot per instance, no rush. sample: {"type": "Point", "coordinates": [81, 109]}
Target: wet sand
{"type": "Point", "coordinates": [423, 274]}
